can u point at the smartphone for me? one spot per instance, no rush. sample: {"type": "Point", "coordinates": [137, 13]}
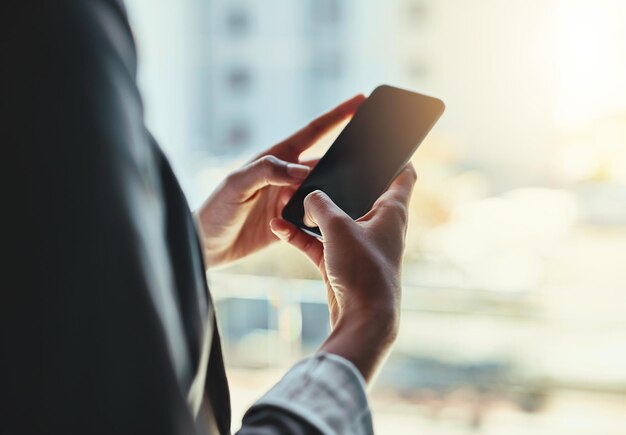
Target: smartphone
{"type": "Point", "coordinates": [369, 153]}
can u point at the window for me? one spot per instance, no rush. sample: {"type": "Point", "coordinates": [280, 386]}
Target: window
{"type": "Point", "coordinates": [238, 21]}
{"type": "Point", "coordinates": [326, 11]}
{"type": "Point", "coordinates": [239, 79]}
{"type": "Point", "coordinates": [238, 135]}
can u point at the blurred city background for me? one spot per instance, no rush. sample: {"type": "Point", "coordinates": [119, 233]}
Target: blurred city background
{"type": "Point", "coordinates": [514, 317]}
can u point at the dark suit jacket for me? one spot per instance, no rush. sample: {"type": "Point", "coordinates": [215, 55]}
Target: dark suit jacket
{"type": "Point", "coordinates": [108, 311]}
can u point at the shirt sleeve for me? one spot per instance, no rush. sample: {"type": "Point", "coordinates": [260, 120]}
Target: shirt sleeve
{"type": "Point", "coordinates": [322, 394]}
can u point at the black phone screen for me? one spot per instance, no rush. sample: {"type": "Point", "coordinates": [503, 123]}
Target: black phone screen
{"type": "Point", "coordinates": [368, 154]}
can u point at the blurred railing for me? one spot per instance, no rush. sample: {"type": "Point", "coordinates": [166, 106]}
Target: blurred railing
{"type": "Point", "coordinates": [448, 337]}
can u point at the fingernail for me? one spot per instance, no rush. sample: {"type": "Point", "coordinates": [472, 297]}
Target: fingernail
{"type": "Point", "coordinates": [297, 171]}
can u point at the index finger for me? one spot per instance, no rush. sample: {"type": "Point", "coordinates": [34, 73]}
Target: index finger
{"type": "Point", "coordinates": [307, 136]}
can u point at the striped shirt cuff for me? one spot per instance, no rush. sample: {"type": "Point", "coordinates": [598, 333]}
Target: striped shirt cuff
{"type": "Point", "coordinates": [327, 391]}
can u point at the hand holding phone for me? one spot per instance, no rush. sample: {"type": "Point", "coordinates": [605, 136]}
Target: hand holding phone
{"type": "Point", "coordinates": [360, 263]}
{"type": "Point", "coordinates": [369, 153]}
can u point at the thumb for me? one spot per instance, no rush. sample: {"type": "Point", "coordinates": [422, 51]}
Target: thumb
{"type": "Point", "coordinates": [320, 211]}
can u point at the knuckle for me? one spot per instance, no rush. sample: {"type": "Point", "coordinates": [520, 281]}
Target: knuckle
{"type": "Point", "coordinates": [290, 237]}
{"type": "Point", "coordinates": [315, 126]}
{"type": "Point", "coordinates": [269, 161]}
{"type": "Point", "coordinates": [269, 165]}
{"type": "Point", "coordinates": [232, 177]}
{"type": "Point", "coordinates": [398, 209]}
{"type": "Point", "coordinates": [401, 208]}
{"type": "Point", "coordinates": [308, 244]}
{"type": "Point", "coordinates": [403, 215]}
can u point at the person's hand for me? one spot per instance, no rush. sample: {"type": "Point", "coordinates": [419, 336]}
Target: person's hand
{"type": "Point", "coordinates": [360, 262]}
{"type": "Point", "coordinates": [234, 221]}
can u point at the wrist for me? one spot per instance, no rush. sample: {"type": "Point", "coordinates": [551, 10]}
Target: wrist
{"type": "Point", "coordinates": [378, 306]}
{"type": "Point", "coordinates": [364, 337]}
{"type": "Point", "coordinates": [379, 323]}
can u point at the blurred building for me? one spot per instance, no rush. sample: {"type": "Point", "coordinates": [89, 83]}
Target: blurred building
{"type": "Point", "coordinates": [244, 74]}
{"type": "Point", "coordinates": [269, 67]}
